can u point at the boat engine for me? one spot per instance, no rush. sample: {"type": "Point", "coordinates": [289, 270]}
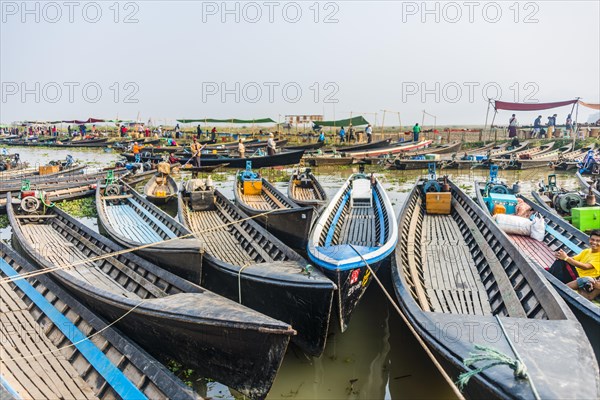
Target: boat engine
{"type": "Point", "coordinates": [432, 184]}
{"type": "Point", "coordinates": [32, 200]}
{"type": "Point", "coordinates": [564, 202]}
{"type": "Point", "coordinates": [112, 190]}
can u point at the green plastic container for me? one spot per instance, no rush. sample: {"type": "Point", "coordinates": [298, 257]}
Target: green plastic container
{"type": "Point", "coordinates": [586, 218]}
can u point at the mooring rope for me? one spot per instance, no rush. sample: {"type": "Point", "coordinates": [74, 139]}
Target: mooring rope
{"type": "Point", "coordinates": [496, 358]}
{"type": "Point", "coordinates": [124, 251]}
{"type": "Point", "coordinates": [434, 360]}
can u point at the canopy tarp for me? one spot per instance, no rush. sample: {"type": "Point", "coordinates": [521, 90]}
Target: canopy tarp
{"type": "Point", "coordinates": [343, 122]}
{"type": "Point", "coordinates": [229, 121]}
{"type": "Point", "coordinates": [590, 105]}
{"type": "Point", "coordinates": [87, 121]}
{"type": "Point", "coordinates": [503, 105]}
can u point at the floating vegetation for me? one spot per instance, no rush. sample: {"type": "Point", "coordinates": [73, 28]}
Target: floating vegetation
{"type": "Point", "coordinates": [4, 221]}
{"type": "Point", "coordinates": [85, 207]}
{"type": "Point", "coordinates": [185, 374]}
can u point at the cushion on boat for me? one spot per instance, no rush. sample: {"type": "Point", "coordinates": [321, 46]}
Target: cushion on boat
{"type": "Point", "coordinates": [361, 193]}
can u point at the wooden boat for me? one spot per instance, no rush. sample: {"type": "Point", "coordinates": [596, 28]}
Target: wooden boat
{"type": "Point", "coordinates": [111, 366]}
{"type": "Point", "coordinates": [160, 189]}
{"type": "Point", "coordinates": [279, 159]}
{"type": "Point", "coordinates": [538, 159]}
{"type": "Point", "coordinates": [528, 153]}
{"type": "Point", "coordinates": [405, 164]}
{"type": "Point", "coordinates": [304, 189]}
{"type": "Point", "coordinates": [471, 158]}
{"type": "Point", "coordinates": [507, 150]}
{"type": "Point", "coordinates": [246, 263]}
{"type": "Point", "coordinates": [449, 148]}
{"type": "Point", "coordinates": [359, 147]}
{"type": "Point", "coordinates": [203, 168]}
{"type": "Point", "coordinates": [458, 278]}
{"type": "Point", "coordinates": [169, 316]}
{"type": "Point", "coordinates": [55, 182]}
{"type": "Point", "coordinates": [227, 150]}
{"type": "Point", "coordinates": [358, 227]}
{"type": "Point", "coordinates": [319, 161]}
{"type": "Point", "coordinates": [35, 177]}
{"type": "Point", "coordinates": [258, 198]}
{"type": "Point", "coordinates": [388, 151]}
{"type": "Point", "coordinates": [307, 146]}
{"type": "Point", "coordinates": [54, 142]}
{"type": "Point", "coordinates": [586, 183]}
{"type": "Point", "coordinates": [132, 221]}
{"type": "Point", "coordinates": [65, 192]}
{"type": "Point", "coordinates": [570, 160]}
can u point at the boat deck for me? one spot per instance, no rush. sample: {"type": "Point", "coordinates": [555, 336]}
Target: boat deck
{"type": "Point", "coordinates": [56, 248]}
{"type": "Point", "coordinates": [264, 201]}
{"type": "Point", "coordinates": [305, 194]}
{"type": "Point", "coordinates": [128, 223]}
{"type": "Point", "coordinates": [536, 251]}
{"type": "Point", "coordinates": [220, 240]}
{"type": "Point", "coordinates": [359, 227]}
{"type": "Point", "coordinates": [29, 361]}
{"type": "Point", "coordinates": [451, 278]}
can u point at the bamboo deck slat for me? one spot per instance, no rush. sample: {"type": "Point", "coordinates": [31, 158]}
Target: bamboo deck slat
{"type": "Point", "coordinates": [451, 278]}
{"type": "Point", "coordinates": [220, 240]}
{"type": "Point", "coordinates": [48, 376]}
{"type": "Point", "coordinates": [60, 251]}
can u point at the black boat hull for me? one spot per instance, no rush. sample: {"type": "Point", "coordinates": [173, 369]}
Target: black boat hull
{"type": "Point", "coordinates": [291, 226]}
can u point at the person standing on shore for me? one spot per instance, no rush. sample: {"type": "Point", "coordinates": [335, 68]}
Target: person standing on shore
{"type": "Point", "coordinates": [416, 132]}
{"type": "Point", "coordinates": [342, 135]}
{"type": "Point", "coordinates": [512, 126]}
{"type": "Point", "coordinates": [569, 126]}
{"type": "Point", "coordinates": [551, 123]}
{"type": "Point", "coordinates": [369, 133]}
{"type": "Point", "coordinates": [537, 126]}
{"type": "Point", "coordinates": [351, 137]}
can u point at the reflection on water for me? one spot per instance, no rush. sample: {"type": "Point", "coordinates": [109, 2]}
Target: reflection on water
{"type": "Point", "coordinates": [377, 357]}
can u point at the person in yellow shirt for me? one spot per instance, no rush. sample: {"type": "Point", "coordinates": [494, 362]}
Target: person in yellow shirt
{"type": "Point", "coordinates": [584, 264]}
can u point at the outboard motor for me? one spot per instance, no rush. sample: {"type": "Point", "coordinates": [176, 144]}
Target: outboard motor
{"type": "Point", "coordinates": [564, 202]}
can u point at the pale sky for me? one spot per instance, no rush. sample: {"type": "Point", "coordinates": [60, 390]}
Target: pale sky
{"type": "Point", "coordinates": [192, 59]}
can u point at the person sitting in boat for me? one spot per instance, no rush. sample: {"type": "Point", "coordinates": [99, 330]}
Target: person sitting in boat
{"type": "Point", "coordinates": [515, 142]}
{"type": "Point", "coordinates": [587, 287]}
{"type": "Point", "coordinates": [271, 146]}
{"type": "Point", "coordinates": [136, 148]}
{"type": "Point", "coordinates": [584, 264]}
{"type": "Point", "coordinates": [172, 159]}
